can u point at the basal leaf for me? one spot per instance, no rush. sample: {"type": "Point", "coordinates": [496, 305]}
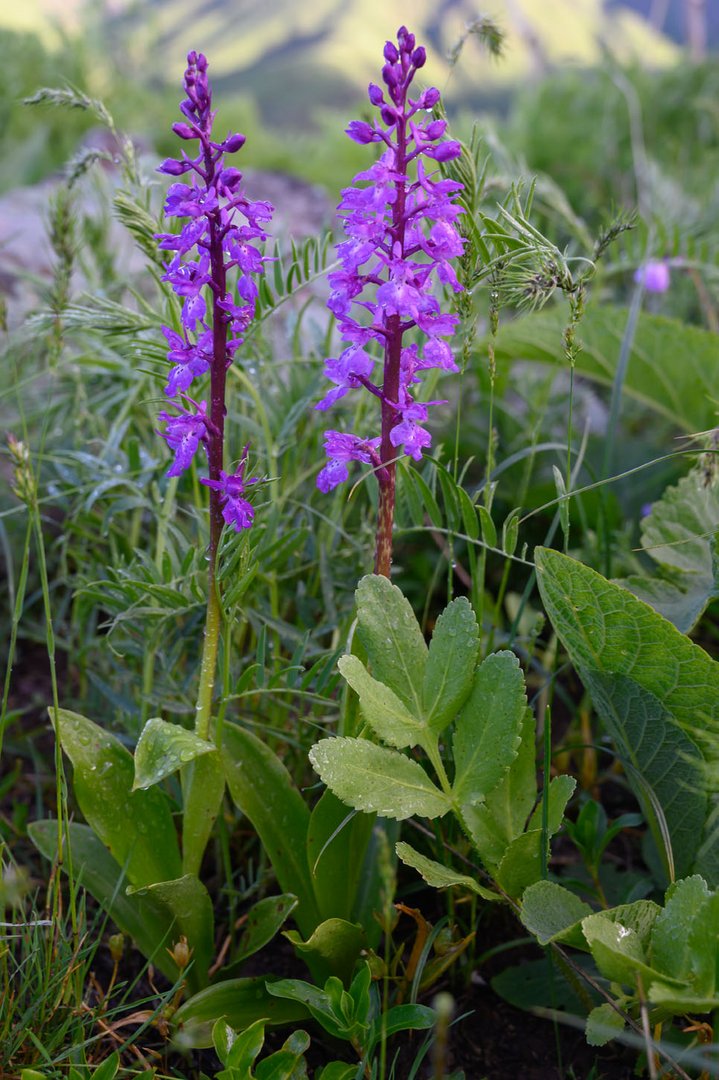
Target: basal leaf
{"type": "Point", "coordinates": [142, 918]}
{"type": "Point", "coordinates": [136, 826]}
{"type": "Point", "coordinates": [389, 631]}
{"type": "Point", "coordinates": [553, 913]}
{"type": "Point", "coordinates": [487, 731]}
{"type": "Point", "coordinates": [451, 664]}
{"type": "Point", "coordinates": [264, 920]}
{"type": "Point", "coordinates": [264, 791]}
{"type": "Point", "coordinates": [240, 1001]}
{"type": "Point", "coordinates": [381, 708]}
{"type": "Point", "coordinates": [333, 948]}
{"type": "Point", "coordinates": [439, 876]}
{"type": "Point", "coordinates": [336, 849]}
{"type": "Point", "coordinates": [191, 916]}
{"type": "Point", "coordinates": [164, 748]}
{"type": "Point", "coordinates": [377, 780]}
{"type": "Point", "coordinates": [203, 787]}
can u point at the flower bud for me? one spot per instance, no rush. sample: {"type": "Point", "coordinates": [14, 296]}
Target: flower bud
{"type": "Point", "coordinates": [184, 131]}
{"type": "Point", "coordinates": [361, 132]}
{"type": "Point", "coordinates": [436, 129]}
{"type": "Point", "coordinates": [390, 53]}
{"type": "Point", "coordinates": [229, 180]}
{"type": "Point", "coordinates": [233, 143]}
{"type": "Point", "coordinates": [446, 151]}
{"type": "Point", "coordinates": [389, 116]}
{"type": "Point", "coordinates": [191, 58]}
{"type": "Point", "coordinates": [375, 94]}
{"type": "Point", "coordinates": [405, 39]}
{"type": "Point", "coordinates": [116, 945]}
{"type": "Point", "coordinates": [419, 57]}
{"type": "Point", "coordinates": [181, 953]}
{"type": "Point", "coordinates": [391, 76]}
{"type": "Point", "coordinates": [429, 98]}
{"type": "Point", "coordinates": [173, 167]}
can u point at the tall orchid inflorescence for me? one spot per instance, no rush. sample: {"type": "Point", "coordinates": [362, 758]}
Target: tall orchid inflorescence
{"type": "Point", "coordinates": [208, 340]}
{"type": "Point", "coordinates": [401, 237]}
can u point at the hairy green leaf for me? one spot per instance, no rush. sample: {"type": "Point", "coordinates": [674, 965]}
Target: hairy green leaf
{"type": "Point", "coordinates": [553, 913]}
{"type": "Point", "coordinates": [389, 631]}
{"type": "Point", "coordinates": [381, 708]}
{"type": "Point", "coordinates": [451, 664]}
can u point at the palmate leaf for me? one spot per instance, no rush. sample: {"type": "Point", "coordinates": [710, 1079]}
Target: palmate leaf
{"type": "Point", "coordinates": [651, 685]}
{"type": "Point", "coordinates": [680, 535]}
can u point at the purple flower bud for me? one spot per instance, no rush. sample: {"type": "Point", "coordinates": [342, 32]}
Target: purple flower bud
{"type": "Point", "coordinates": [419, 57]}
{"type": "Point", "coordinates": [654, 276]}
{"type": "Point", "coordinates": [173, 167]}
{"type": "Point", "coordinates": [375, 94]}
{"type": "Point", "coordinates": [361, 132]}
{"type": "Point", "coordinates": [229, 180]}
{"type": "Point", "coordinates": [436, 129]}
{"type": "Point", "coordinates": [429, 98]}
{"type": "Point", "coordinates": [390, 53]}
{"type": "Point", "coordinates": [391, 76]}
{"type": "Point", "coordinates": [233, 143]}
{"type": "Point", "coordinates": [446, 151]}
{"type": "Point", "coordinates": [389, 115]}
{"type": "Point", "coordinates": [405, 39]}
{"type": "Point", "coordinates": [184, 131]}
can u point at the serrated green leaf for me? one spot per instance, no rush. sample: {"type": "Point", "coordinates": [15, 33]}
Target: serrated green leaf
{"type": "Point", "coordinates": [604, 1023]}
{"type": "Point", "coordinates": [451, 664]}
{"type": "Point", "coordinates": [561, 789]}
{"type": "Point", "coordinates": [680, 534]}
{"type": "Point", "coordinates": [618, 942]}
{"type": "Point", "coordinates": [439, 876]}
{"type": "Point", "coordinates": [487, 732]}
{"type": "Point", "coordinates": [521, 864]}
{"type": "Point", "coordinates": [553, 913]}
{"type": "Point", "coordinates": [136, 826]}
{"type": "Point", "coordinates": [390, 633]}
{"type": "Point", "coordinates": [381, 708]}
{"type": "Point", "coordinates": [164, 748]}
{"type": "Point", "coordinates": [501, 818]}
{"type": "Point", "coordinates": [377, 780]}
{"type": "Point", "coordinates": [671, 948]}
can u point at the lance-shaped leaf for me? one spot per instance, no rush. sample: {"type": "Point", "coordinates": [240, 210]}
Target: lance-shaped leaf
{"type": "Point", "coordinates": [203, 786]}
{"type": "Point", "coordinates": [264, 791]}
{"type": "Point", "coordinates": [450, 665]}
{"type": "Point", "coordinates": [389, 631]}
{"type": "Point", "coordinates": [439, 876]}
{"type": "Point", "coordinates": [377, 780]}
{"type": "Point", "coordinates": [164, 748]}
{"type": "Point", "coordinates": [337, 844]}
{"type": "Point", "coordinates": [263, 922]}
{"type": "Point", "coordinates": [240, 1001]}
{"type": "Point", "coordinates": [487, 731]}
{"type": "Point", "coordinates": [381, 708]}
{"type": "Point", "coordinates": [136, 826]}
{"type": "Point", "coordinates": [192, 917]}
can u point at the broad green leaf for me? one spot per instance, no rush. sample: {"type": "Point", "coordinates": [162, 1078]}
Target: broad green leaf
{"type": "Point", "coordinates": [333, 949]}
{"type": "Point", "coordinates": [653, 687]}
{"type": "Point", "coordinates": [439, 876]}
{"type": "Point", "coordinates": [264, 791]}
{"type": "Point", "coordinates": [521, 864]}
{"type": "Point", "coordinates": [533, 983]}
{"type": "Point", "coordinates": [703, 939]}
{"type": "Point", "coordinates": [317, 1001]}
{"type": "Point", "coordinates": [553, 913]}
{"type": "Point", "coordinates": [679, 1001]}
{"type": "Point", "coordinates": [680, 534]}
{"type": "Point", "coordinates": [654, 378]}
{"type": "Point", "coordinates": [240, 1001]}
{"type": "Point", "coordinates": [242, 1051]}
{"type": "Point", "coordinates": [381, 708]}
{"type": "Point", "coordinates": [377, 780]}
{"type": "Point", "coordinates": [451, 664]}
{"type": "Point", "coordinates": [336, 850]}
{"type": "Point", "coordinates": [618, 947]}
{"type": "Point", "coordinates": [561, 789]}
{"type": "Point", "coordinates": [671, 945]}
{"type": "Point", "coordinates": [203, 787]}
{"type": "Point", "coordinates": [136, 826]}
{"type": "Point", "coordinates": [141, 918]}
{"type": "Point", "coordinates": [189, 904]}
{"type": "Point", "coordinates": [338, 1070]}
{"type": "Point", "coordinates": [604, 1023]}
{"type": "Point", "coordinates": [164, 748]}
{"type": "Point", "coordinates": [501, 818]}
{"type": "Point", "coordinates": [264, 920]}
{"type": "Point", "coordinates": [487, 731]}
{"type": "Point", "coordinates": [405, 1018]}
{"type": "Point", "coordinates": [389, 631]}
{"type": "Point", "coordinates": [287, 1063]}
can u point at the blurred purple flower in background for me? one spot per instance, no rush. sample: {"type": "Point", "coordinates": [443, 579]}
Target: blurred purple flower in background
{"type": "Point", "coordinates": [400, 237]}
{"type": "Point", "coordinates": [653, 275]}
{"type": "Point", "coordinates": [211, 243]}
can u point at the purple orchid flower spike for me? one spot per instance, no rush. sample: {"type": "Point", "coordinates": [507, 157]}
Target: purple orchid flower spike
{"type": "Point", "coordinates": [400, 240]}
{"type": "Point", "coordinates": [220, 237]}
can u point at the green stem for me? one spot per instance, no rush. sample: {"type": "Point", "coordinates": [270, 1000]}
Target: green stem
{"type": "Point", "coordinates": [208, 666]}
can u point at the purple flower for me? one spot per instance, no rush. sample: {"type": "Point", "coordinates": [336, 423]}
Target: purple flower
{"type": "Point", "coordinates": [394, 264]}
{"type": "Point", "coordinates": [654, 276]}
{"type": "Point", "coordinates": [213, 269]}
{"type": "Point", "coordinates": [183, 434]}
{"type": "Point", "coordinates": [236, 510]}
